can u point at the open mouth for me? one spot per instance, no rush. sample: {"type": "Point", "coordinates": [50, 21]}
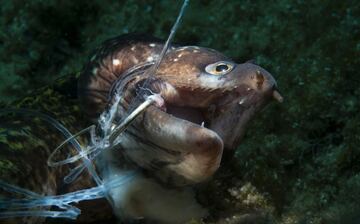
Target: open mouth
{"type": "Point", "coordinates": [191, 114]}
{"type": "Point", "coordinates": [186, 128]}
{"type": "Point", "coordinates": [227, 119]}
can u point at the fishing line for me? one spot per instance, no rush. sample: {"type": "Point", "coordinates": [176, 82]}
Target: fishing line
{"type": "Point", "coordinates": [153, 69]}
{"type": "Point", "coordinates": [151, 72]}
{"type": "Point", "coordinates": [47, 118]}
{"type": "Point", "coordinates": [106, 119]}
{"type": "Point", "coordinates": [68, 214]}
{"type": "Point", "coordinates": [59, 127]}
{"type": "Point", "coordinates": [61, 201]}
{"type": "Point", "coordinates": [71, 139]}
{"type": "Point", "coordinates": [18, 190]}
{"type": "Point", "coordinates": [127, 121]}
{"type": "Point", "coordinates": [74, 174]}
{"type": "Point", "coordinates": [106, 142]}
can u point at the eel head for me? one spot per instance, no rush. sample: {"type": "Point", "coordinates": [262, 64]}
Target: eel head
{"type": "Point", "coordinates": [209, 100]}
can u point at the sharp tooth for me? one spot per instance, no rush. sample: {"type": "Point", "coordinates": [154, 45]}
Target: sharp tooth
{"type": "Point", "coordinates": [203, 124]}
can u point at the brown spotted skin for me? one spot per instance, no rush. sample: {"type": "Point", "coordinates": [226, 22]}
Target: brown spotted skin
{"type": "Point", "coordinates": [107, 65]}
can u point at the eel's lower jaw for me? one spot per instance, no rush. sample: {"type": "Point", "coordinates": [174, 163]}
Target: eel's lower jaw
{"type": "Point", "coordinates": [177, 132]}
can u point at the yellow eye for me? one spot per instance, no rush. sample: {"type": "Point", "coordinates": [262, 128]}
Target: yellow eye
{"type": "Point", "coordinates": [219, 68]}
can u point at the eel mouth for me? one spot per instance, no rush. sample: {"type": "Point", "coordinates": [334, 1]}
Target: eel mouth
{"type": "Point", "coordinates": [227, 121]}
{"type": "Point", "coordinates": [191, 114]}
{"type": "Point", "coordinates": [178, 126]}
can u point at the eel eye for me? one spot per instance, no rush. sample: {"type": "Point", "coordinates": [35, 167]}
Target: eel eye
{"type": "Point", "coordinates": [219, 68]}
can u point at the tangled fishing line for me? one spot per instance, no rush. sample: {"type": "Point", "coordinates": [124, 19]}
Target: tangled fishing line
{"type": "Point", "coordinates": [34, 204]}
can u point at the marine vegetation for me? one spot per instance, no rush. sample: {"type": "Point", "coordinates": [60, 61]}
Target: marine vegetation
{"type": "Point", "coordinates": [297, 162]}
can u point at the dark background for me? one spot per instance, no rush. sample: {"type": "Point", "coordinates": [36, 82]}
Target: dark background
{"type": "Point", "coordinates": [304, 152]}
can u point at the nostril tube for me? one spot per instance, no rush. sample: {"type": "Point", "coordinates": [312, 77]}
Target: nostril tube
{"type": "Point", "coordinates": [277, 96]}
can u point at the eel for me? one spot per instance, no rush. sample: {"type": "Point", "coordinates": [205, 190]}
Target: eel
{"type": "Point", "coordinates": [208, 101]}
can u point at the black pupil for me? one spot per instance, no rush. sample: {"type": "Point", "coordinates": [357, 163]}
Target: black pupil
{"type": "Point", "coordinates": [221, 68]}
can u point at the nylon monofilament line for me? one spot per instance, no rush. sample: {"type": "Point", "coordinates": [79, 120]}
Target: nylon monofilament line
{"type": "Point", "coordinates": [96, 149]}
{"type": "Point", "coordinates": [63, 202]}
